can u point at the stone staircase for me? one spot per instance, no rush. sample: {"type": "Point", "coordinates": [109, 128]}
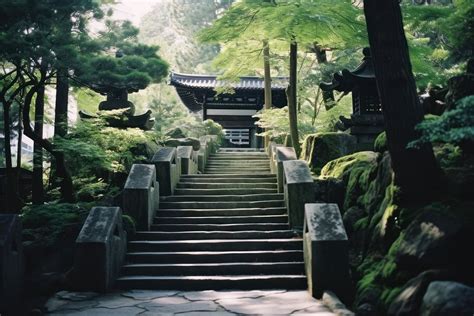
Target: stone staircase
{"type": "Point", "coordinates": [224, 229]}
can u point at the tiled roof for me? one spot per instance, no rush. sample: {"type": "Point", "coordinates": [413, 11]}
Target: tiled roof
{"type": "Point", "coordinates": [211, 82]}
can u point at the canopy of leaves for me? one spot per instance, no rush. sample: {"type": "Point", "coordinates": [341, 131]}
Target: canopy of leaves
{"type": "Point", "coordinates": [121, 62]}
{"type": "Point", "coordinates": [241, 30]}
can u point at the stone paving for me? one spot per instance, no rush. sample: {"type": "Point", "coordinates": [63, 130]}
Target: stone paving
{"type": "Point", "coordinates": [225, 303]}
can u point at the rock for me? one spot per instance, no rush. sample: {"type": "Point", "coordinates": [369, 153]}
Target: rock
{"type": "Point", "coordinates": [409, 300]}
{"type": "Point", "coordinates": [329, 190]}
{"type": "Point", "coordinates": [380, 144]}
{"type": "Point", "coordinates": [448, 298]}
{"type": "Point", "coordinates": [175, 133]}
{"type": "Point", "coordinates": [320, 148]}
{"type": "Point", "coordinates": [188, 141]}
{"type": "Point", "coordinates": [351, 216]}
{"type": "Point", "coordinates": [433, 240]}
{"type": "Point", "coordinates": [460, 86]}
{"type": "Point", "coordinates": [460, 181]}
{"type": "Point", "coordinates": [366, 309]}
{"type": "Point", "coordinates": [340, 168]}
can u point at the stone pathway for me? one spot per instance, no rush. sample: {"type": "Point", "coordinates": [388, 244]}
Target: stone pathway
{"type": "Point", "coordinates": [139, 302]}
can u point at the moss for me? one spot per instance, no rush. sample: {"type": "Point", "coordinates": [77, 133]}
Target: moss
{"type": "Point", "coordinates": [388, 295]}
{"type": "Point", "coordinates": [340, 168]}
{"type": "Point", "coordinates": [320, 148]}
{"type": "Point", "coordinates": [448, 155]}
{"type": "Point", "coordinates": [380, 144]}
{"type": "Point", "coordinates": [362, 224]}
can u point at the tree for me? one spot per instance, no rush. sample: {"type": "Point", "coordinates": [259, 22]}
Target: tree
{"type": "Point", "coordinates": [245, 25]}
{"type": "Point", "coordinates": [416, 170]}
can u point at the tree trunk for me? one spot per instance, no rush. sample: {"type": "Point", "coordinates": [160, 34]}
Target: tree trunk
{"type": "Point", "coordinates": [61, 108]}
{"type": "Point", "coordinates": [20, 139]}
{"type": "Point", "coordinates": [291, 95]}
{"type": "Point", "coordinates": [61, 169]}
{"type": "Point", "coordinates": [267, 82]}
{"type": "Point", "coordinates": [416, 170]}
{"type": "Point", "coordinates": [328, 96]}
{"type": "Point", "coordinates": [37, 185]}
{"type": "Point", "coordinates": [10, 205]}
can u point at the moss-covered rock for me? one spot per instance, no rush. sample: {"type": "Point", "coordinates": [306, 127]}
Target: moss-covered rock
{"type": "Point", "coordinates": [341, 168]}
{"type": "Point", "coordinates": [320, 148]}
{"type": "Point", "coordinates": [188, 141]}
{"type": "Point", "coordinates": [380, 144]}
{"type": "Point", "coordinates": [175, 133]}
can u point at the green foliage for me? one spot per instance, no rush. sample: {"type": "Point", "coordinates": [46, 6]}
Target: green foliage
{"type": "Point", "coordinates": [99, 157]}
{"type": "Point", "coordinates": [53, 225]}
{"type": "Point", "coordinates": [448, 155]}
{"type": "Point", "coordinates": [453, 126]}
{"type": "Point", "coordinates": [134, 67]}
{"type": "Point", "coordinates": [129, 225]}
{"type": "Point", "coordinates": [87, 100]}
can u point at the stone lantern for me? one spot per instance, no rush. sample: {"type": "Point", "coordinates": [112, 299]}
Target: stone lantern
{"type": "Point", "coordinates": [366, 121]}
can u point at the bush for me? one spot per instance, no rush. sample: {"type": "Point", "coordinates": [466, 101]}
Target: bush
{"type": "Point", "coordinates": [455, 126]}
{"type": "Point", "coordinates": [53, 225]}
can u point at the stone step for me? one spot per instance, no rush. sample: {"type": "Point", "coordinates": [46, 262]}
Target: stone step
{"type": "Point", "coordinates": [224, 170]}
{"type": "Point", "coordinates": [231, 172]}
{"type": "Point", "coordinates": [215, 245]}
{"type": "Point", "coordinates": [220, 212]}
{"type": "Point", "coordinates": [231, 204]}
{"type": "Point", "coordinates": [222, 282]}
{"type": "Point", "coordinates": [238, 158]}
{"type": "Point", "coordinates": [224, 191]}
{"type": "Point", "coordinates": [237, 162]}
{"type": "Point", "coordinates": [237, 149]}
{"type": "Point", "coordinates": [187, 235]}
{"type": "Point", "coordinates": [254, 181]}
{"type": "Point", "coordinates": [201, 269]}
{"type": "Point", "coordinates": [217, 185]}
{"type": "Point", "coordinates": [215, 256]}
{"type": "Point", "coordinates": [240, 176]}
{"type": "Point", "coordinates": [221, 227]}
{"type": "Point", "coordinates": [250, 164]}
{"type": "Point", "coordinates": [274, 219]}
{"type": "Point", "coordinates": [226, 198]}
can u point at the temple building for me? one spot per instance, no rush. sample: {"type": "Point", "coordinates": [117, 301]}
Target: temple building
{"type": "Point", "coordinates": [233, 109]}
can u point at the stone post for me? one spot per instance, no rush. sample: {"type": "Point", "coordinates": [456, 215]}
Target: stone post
{"type": "Point", "coordinates": [168, 169]}
{"type": "Point", "coordinates": [141, 195]}
{"type": "Point", "coordinates": [282, 154]}
{"type": "Point", "coordinates": [100, 250]}
{"type": "Point", "coordinates": [325, 247]}
{"type": "Point", "coordinates": [298, 189]}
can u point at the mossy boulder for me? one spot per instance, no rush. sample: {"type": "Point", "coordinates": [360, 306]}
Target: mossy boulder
{"type": "Point", "coordinates": [320, 148]}
{"type": "Point", "coordinates": [188, 141]}
{"type": "Point", "coordinates": [175, 133]}
{"type": "Point", "coordinates": [432, 241]}
{"type": "Point", "coordinates": [380, 144]}
{"type": "Point", "coordinates": [342, 167]}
